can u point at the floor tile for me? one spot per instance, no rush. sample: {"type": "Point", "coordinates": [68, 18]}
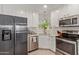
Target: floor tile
{"type": "Point", "coordinates": [41, 52]}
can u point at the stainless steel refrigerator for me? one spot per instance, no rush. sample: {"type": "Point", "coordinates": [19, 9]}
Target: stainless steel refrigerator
{"type": "Point", "coordinates": [13, 35]}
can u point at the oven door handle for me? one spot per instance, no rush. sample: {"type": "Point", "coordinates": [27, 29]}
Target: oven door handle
{"type": "Point", "coordinates": [72, 42]}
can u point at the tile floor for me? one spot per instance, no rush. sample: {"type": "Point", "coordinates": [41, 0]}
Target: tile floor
{"type": "Point", "coordinates": [43, 52]}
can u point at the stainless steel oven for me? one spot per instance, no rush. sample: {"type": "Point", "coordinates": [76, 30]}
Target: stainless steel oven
{"type": "Point", "coordinates": [66, 46]}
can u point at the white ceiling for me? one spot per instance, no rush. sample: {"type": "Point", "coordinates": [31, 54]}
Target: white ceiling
{"type": "Point", "coordinates": [33, 7]}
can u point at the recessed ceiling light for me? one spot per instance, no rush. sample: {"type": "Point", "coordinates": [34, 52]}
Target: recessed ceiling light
{"type": "Point", "coordinates": [57, 11]}
{"type": "Point", "coordinates": [45, 6]}
{"type": "Point", "coordinates": [21, 12]}
{"type": "Point", "coordinates": [33, 14]}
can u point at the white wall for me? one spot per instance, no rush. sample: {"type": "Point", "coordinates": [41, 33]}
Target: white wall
{"type": "Point", "coordinates": [71, 9]}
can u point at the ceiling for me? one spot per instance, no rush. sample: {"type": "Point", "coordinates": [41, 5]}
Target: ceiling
{"type": "Point", "coordinates": [33, 7]}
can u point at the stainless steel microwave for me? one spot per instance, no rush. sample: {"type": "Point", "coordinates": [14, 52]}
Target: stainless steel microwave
{"type": "Point", "coordinates": [70, 21]}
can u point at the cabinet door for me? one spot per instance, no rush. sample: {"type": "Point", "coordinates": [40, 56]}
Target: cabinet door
{"type": "Point", "coordinates": [44, 41]}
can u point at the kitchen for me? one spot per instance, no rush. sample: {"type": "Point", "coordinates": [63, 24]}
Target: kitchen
{"type": "Point", "coordinates": [62, 32]}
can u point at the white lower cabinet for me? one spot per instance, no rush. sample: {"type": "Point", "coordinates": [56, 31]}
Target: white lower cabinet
{"type": "Point", "coordinates": [44, 41]}
{"type": "Point", "coordinates": [53, 43]}
{"type": "Point", "coordinates": [47, 42]}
